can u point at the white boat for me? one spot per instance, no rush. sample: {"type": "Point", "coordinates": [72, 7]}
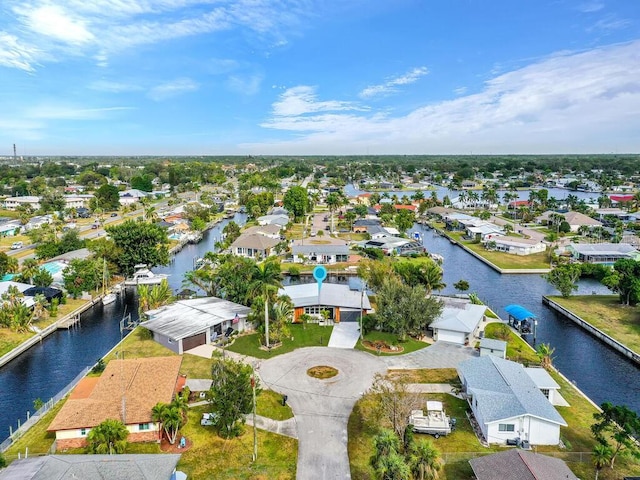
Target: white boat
{"type": "Point", "coordinates": [434, 422]}
{"type": "Point", "coordinates": [109, 298]}
{"type": "Point", "coordinates": [144, 276]}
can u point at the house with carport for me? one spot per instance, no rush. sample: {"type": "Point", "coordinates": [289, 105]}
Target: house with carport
{"type": "Point", "coordinates": [507, 404]}
{"type": "Point", "coordinates": [189, 323]}
{"type": "Point", "coordinates": [127, 391]}
{"type": "Point", "coordinates": [341, 303]}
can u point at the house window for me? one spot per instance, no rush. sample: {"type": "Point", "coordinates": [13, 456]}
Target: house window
{"type": "Point", "coordinates": [143, 426]}
{"type": "Point", "coordinates": [506, 427]}
{"type": "Point", "coordinates": [83, 432]}
{"type": "Point", "coordinates": [545, 392]}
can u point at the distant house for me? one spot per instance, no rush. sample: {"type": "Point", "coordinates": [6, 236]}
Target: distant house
{"type": "Point", "coordinates": [458, 322]}
{"type": "Point", "coordinates": [127, 390]}
{"type": "Point", "coordinates": [322, 254]}
{"type": "Point", "coordinates": [491, 346]}
{"type": "Point", "coordinates": [341, 302]}
{"type": "Point", "coordinates": [481, 230]}
{"type": "Point", "coordinates": [391, 245]}
{"type": "Point", "coordinates": [514, 245]}
{"type": "Point", "coordinates": [577, 220]}
{"type": "Point", "coordinates": [507, 403]}
{"type": "Point", "coordinates": [602, 253]}
{"type": "Point", "coordinates": [77, 201]}
{"type": "Point", "coordinates": [129, 197]}
{"type": "Point", "coordinates": [363, 225]}
{"type": "Point", "coordinates": [271, 231]}
{"type": "Point", "coordinates": [10, 228]}
{"type": "Point", "coordinates": [520, 464]}
{"type": "Point", "coordinates": [93, 467]}
{"type": "Point", "coordinates": [253, 246]}
{"type": "Point", "coordinates": [12, 203]}
{"type": "Point", "coordinates": [280, 220]}
{"type": "Point", "coordinates": [186, 324]}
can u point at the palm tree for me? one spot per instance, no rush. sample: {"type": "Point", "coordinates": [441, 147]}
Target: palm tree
{"type": "Point", "coordinates": [150, 298]}
{"type": "Point", "coordinates": [431, 276]}
{"type": "Point", "coordinates": [425, 461]}
{"type": "Point", "coordinates": [545, 352]}
{"type": "Point", "coordinates": [150, 214]}
{"type": "Point", "coordinates": [170, 417]}
{"type": "Point", "coordinates": [266, 281]}
{"type": "Point", "coordinates": [108, 437]}
{"type": "Point", "coordinates": [601, 457]}
{"type": "Point", "coordinates": [29, 269]}
{"type": "Point", "coordinates": [334, 201]}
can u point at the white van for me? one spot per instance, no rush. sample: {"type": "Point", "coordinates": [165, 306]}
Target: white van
{"type": "Point", "coordinates": [16, 245]}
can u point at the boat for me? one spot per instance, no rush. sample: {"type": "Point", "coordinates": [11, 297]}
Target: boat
{"type": "Point", "coordinates": [107, 298]}
{"type": "Point", "coordinates": [143, 276]}
{"type": "Point", "coordinates": [434, 422]}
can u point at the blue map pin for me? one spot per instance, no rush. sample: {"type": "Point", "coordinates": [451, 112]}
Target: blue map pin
{"type": "Point", "coordinates": [319, 273]}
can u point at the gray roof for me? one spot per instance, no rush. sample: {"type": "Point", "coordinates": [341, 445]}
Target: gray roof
{"type": "Point", "coordinates": [504, 390]}
{"type": "Point", "coordinates": [464, 319]}
{"type": "Point", "coordinates": [321, 249]}
{"type": "Point", "coordinates": [604, 248]}
{"type": "Point", "coordinates": [93, 467]}
{"type": "Point", "coordinates": [367, 222]}
{"type": "Point", "coordinates": [185, 318]}
{"type": "Point", "coordinates": [255, 241]}
{"type": "Point", "coordinates": [541, 378]}
{"type": "Point", "coordinates": [198, 384]}
{"type": "Point", "coordinates": [331, 294]}
{"type": "Point", "coordinates": [516, 464]}
{"type": "Point", "coordinates": [493, 344]}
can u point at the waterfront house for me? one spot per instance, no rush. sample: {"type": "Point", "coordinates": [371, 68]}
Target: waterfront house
{"type": "Point", "coordinates": [546, 384]}
{"type": "Point", "coordinates": [459, 321]}
{"type": "Point", "coordinates": [520, 464]}
{"type": "Point", "coordinates": [186, 324]}
{"type": "Point", "coordinates": [127, 391]}
{"type": "Point", "coordinates": [279, 220]}
{"type": "Point", "coordinates": [271, 231]}
{"type": "Point", "coordinates": [321, 254]}
{"type": "Point", "coordinates": [514, 245]}
{"type": "Point", "coordinates": [391, 245]}
{"type": "Point", "coordinates": [93, 467]}
{"type": "Point", "coordinates": [602, 253]}
{"type": "Point", "coordinates": [340, 302]}
{"type": "Point", "coordinates": [507, 403]}
{"type": "Point", "coordinates": [253, 246]}
{"type": "Point", "coordinates": [492, 346]}
{"type": "Point", "coordinates": [479, 230]}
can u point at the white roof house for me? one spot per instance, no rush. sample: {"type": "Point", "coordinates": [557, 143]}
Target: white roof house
{"type": "Point", "coordinates": [507, 403]}
{"type": "Point", "coordinates": [492, 346]}
{"type": "Point", "coordinates": [606, 253]}
{"type": "Point", "coordinates": [186, 324]}
{"type": "Point", "coordinates": [514, 245]}
{"type": "Point", "coordinates": [11, 203]}
{"type": "Point", "coordinates": [458, 322]}
{"type": "Point", "coordinates": [281, 220]}
{"type": "Point", "coordinates": [322, 254]}
{"type": "Point", "coordinates": [547, 385]}
{"type": "Point", "coordinates": [340, 301]}
{"type": "Point", "coordinates": [128, 197]}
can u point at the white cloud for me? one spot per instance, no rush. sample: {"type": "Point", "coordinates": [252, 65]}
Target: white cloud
{"type": "Point", "coordinates": [581, 102]}
{"type": "Point", "coordinates": [114, 87]}
{"type": "Point", "coordinates": [460, 90]}
{"type": "Point", "coordinates": [609, 23]}
{"type": "Point", "coordinates": [66, 112]}
{"type": "Point", "coordinates": [591, 7]}
{"type": "Point", "coordinates": [302, 100]}
{"type": "Point", "coordinates": [247, 85]}
{"type": "Point", "coordinates": [172, 89]}
{"type": "Point", "coordinates": [15, 54]}
{"type": "Point", "coordinates": [390, 86]}
{"type": "Point", "coordinates": [53, 21]}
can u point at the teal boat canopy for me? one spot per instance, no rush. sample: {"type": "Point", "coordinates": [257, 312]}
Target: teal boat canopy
{"type": "Point", "coordinates": [519, 312]}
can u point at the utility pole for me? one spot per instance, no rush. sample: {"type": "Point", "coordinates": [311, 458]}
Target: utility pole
{"type": "Point", "coordinates": [255, 434]}
{"type": "Point", "coordinates": [364, 287]}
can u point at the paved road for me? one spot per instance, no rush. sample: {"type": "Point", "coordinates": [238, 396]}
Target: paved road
{"type": "Point", "coordinates": [322, 407]}
{"type": "Point", "coordinates": [438, 355]}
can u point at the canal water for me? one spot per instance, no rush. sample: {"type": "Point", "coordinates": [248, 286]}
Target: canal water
{"type": "Point", "coordinates": [46, 368]}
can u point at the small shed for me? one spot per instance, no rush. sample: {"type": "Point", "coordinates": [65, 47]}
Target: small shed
{"type": "Point", "coordinates": [491, 346]}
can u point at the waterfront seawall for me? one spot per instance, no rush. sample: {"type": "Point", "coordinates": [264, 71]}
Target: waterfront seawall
{"type": "Point", "coordinates": [597, 333]}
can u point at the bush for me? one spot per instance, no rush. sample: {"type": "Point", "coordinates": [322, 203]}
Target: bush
{"type": "Point", "coordinates": [145, 334]}
{"type": "Point", "coordinates": [294, 271]}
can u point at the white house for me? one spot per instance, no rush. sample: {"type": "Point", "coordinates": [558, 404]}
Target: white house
{"type": "Point", "coordinates": [10, 228]}
{"type": "Point", "coordinates": [514, 245]}
{"type": "Point", "coordinates": [253, 246]}
{"type": "Point", "coordinates": [458, 322]}
{"type": "Point", "coordinates": [280, 220]}
{"type": "Point", "coordinates": [507, 403]}
{"type": "Point", "coordinates": [323, 254]}
{"type": "Point", "coordinates": [491, 346]}
{"type": "Point", "coordinates": [77, 201]}
{"type": "Point", "coordinates": [129, 197]}
{"type": "Point", "coordinates": [186, 324]}
{"type": "Point", "coordinates": [32, 201]}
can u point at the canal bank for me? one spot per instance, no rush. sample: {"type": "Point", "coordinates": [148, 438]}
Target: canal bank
{"type": "Point", "coordinates": [596, 332]}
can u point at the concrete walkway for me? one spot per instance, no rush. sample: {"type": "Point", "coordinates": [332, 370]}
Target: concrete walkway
{"type": "Point", "coordinates": [288, 428]}
{"type": "Point", "coordinates": [322, 407]}
{"type": "Point", "coordinates": [344, 335]}
{"type": "Point", "coordinates": [438, 355]}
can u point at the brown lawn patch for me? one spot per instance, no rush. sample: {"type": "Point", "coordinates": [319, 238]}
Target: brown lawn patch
{"type": "Point", "coordinates": [322, 372]}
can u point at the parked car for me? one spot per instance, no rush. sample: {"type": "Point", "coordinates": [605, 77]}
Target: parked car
{"type": "Point", "coordinates": [16, 245]}
{"type": "Point", "coordinates": [114, 214]}
{"type": "Point", "coordinates": [94, 226]}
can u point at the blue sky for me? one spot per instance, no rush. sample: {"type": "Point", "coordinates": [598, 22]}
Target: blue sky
{"type": "Point", "coordinates": [301, 77]}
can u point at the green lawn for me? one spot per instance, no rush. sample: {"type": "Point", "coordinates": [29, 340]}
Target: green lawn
{"type": "Point", "coordinates": [10, 339]}
{"type": "Point", "coordinates": [269, 404]}
{"type": "Point", "coordinates": [517, 349]}
{"type": "Point", "coordinates": [426, 375]}
{"type": "Point", "coordinates": [309, 335]}
{"type": "Point", "coordinates": [408, 346]}
{"type": "Point", "coordinates": [605, 313]}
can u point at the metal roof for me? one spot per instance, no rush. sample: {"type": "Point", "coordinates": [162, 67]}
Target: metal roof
{"type": "Point", "coordinates": [460, 319]}
{"type": "Point", "coordinates": [519, 312]}
{"type": "Point", "coordinates": [321, 249]}
{"type": "Point", "coordinates": [503, 390]}
{"type": "Point", "coordinates": [493, 344]}
{"type": "Point", "coordinates": [331, 294]}
{"type": "Point", "coordinates": [185, 318]}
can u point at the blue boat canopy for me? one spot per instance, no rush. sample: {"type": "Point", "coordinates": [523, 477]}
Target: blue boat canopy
{"type": "Point", "coordinates": [519, 312]}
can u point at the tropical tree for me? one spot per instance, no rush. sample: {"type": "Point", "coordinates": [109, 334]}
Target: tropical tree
{"type": "Point", "coordinates": [139, 242]}
{"type": "Point", "coordinates": [387, 461]}
{"type": "Point", "coordinates": [265, 281]}
{"type": "Point", "coordinates": [152, 297]}
{"type": "Point", "coordinates": [170, 416]}
{"type": "Point", "coordinates": [424, 461]}
{"type": "Point", "coordinates": [617, 427]}
{"type": "Point", "coordinates": [461, 285]}
{"type": "Point", "coordinates": [150, 213]}
{"type": "Point", "coordinates": [108, 437]}
{"type": "Point", "coordinates": [544, 351]}
{"type": "Point", "coordinates": [601, 457]}
{"type": "Point", "coordinates": [404, 219]}
{"type": "Point", "coordinates": [564, 278]}
{"type": "Point", "coordinates": [296, 201]}
{"type": "Point", "coordinates": [334, 201]}
{"type": "Point", "coordinates": [30, 269]}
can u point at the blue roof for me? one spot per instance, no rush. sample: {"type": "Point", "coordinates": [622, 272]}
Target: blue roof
{"type": "Point", "coordinates": [519, 312]}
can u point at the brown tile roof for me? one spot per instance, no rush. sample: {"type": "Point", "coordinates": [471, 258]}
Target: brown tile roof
{"type": "Point", "coordinates": [84, 388]}
{"type": "Point", "coordinates": [144, 381]}
{"type": "Point", "coordinates": [516, 464]}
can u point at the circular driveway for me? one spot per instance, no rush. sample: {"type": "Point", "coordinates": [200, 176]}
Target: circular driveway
{"type": "Point", "coordinates": [322, 407]}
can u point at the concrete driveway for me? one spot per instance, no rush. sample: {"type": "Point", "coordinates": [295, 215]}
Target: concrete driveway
{"type": "Point", "coordinates": [438, 355]}
{"type": "Point", "coordinates": [322, 407]}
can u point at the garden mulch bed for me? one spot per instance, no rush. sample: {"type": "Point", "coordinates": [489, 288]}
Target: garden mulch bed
{"type": "Point", "coordinates": [166, 447]}
{"type": "Point", "coordinates": [378, 346]}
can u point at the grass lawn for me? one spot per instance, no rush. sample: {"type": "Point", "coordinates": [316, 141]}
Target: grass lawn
{"type": "Point", "coordinates": [309, 335]}
{"type": "Point", "coordinates": [212, 457]}
{"type": "Point", "coordinates": [426, 375]}
{"type": "Point", "coordinates": [10, 339]}
{"type": "Point", "coordinates": [408, 346]}
{"type": "Point", "coordinates": [605, 313]}
{"type": "Point", "coordinates": [517, 349]}
{"type": "Point", "coordinates": [269, 404]}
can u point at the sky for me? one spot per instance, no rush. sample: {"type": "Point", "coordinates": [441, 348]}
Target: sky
{"type": "Point", "coordinates": [319, 77]}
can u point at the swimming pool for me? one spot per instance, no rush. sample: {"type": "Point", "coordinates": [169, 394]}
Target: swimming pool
{"type": "Point", "coordinates": [54, 267]}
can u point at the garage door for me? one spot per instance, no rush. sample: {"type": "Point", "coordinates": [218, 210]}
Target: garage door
{"type": "Point", "coordinates": [193, 341]}
{"type": "Point", "coordinates": [346, 316]}
{"type": "Point", "coordinates": [452, 337]}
